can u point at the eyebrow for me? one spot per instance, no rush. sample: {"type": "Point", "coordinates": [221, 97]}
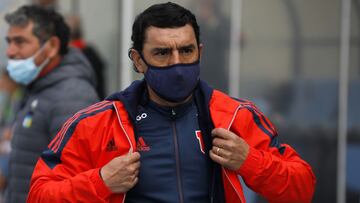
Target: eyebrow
{"type": "Point", "coordinates": [190, 46]}
{"type": "Point", "coordinates": [161, 49]}
{"type": "Point", "coordinates": [15, 38]}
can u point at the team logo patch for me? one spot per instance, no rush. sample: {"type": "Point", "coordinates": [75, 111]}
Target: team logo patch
{"type": "Point", "coordinates": [201, 141]}
{"type": "Point", "coordinates": [141, 146]}
{"type": "Point", "coordinates": [27, 122]}
{"type": "Point", "coordinates": [28, 119]}
{"type": "Point", "coordinates": [110, 146]}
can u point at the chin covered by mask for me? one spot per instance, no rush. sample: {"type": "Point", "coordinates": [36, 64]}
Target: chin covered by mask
{"type": "Point", "coordinates": [25, 71]}
{"type": "Point", "coordinates": [173, 83]}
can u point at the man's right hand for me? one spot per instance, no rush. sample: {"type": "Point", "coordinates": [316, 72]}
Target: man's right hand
{"type": "Point", "coordinates": [121, 173]}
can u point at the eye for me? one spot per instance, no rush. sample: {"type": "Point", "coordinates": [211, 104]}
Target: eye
{"type": "Point", "coordinates": [18, 41]}
{"type": "Point", "coordinates": [187, 50]}
{"type": "Point", "coordinates": [162, 52]}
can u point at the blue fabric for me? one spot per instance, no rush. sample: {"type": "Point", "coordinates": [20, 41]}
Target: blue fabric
{"type": "Point", "coordinates": [136, 95]}
{"type": "Point", "coordinates": [173, 166]}
{"type": "Point", "coordinates": [173, 83]}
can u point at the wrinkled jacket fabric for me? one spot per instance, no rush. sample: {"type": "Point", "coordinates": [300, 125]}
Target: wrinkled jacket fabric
{"type": "Point", "coordinates": [69, 170]}
{"type": "Point", "coordinates": [48, 102]}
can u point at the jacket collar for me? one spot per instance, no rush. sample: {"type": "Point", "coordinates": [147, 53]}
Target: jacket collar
{"type": "Point", "coordinates": [137, 94]}
{"type": "Point", "coordinates": [223, 109]}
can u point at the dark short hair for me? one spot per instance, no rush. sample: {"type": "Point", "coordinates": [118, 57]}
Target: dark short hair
{"type": "Point", "coordinates": [47, 23]}
{"type": "Point", "coordinates": [165, 15]}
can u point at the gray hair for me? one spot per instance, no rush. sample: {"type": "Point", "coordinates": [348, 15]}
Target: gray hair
{"type": "Point", "coordinates": [47, 23]}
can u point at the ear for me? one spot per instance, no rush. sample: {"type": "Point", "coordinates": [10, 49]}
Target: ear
{"type": "Point", "coordinates": [200, 47]}
{"type": "Point", "coordinates": [53, 47]}
{"type": "Point", "coordinates": [137, 60]}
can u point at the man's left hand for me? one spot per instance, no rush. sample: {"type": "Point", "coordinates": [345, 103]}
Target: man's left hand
{"type": "Point", "coordinates": [228, 150]}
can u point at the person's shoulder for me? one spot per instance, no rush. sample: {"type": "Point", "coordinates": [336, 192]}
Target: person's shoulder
{"type": "Point", "coordinates": [223, 97]}
{"type": "Point", "coordinates": [225, 102]}
{"type": "Point", "coordinates": [217, 94]}
{"type": "Point", "coordinates": [74, 88]}
{"type": "Point", "coordinates": [95, 113]}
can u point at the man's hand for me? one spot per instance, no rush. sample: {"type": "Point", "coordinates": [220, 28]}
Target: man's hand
{"type": "Point", "coordinates": [121, 173]}
{"type": "Point", "coordinates": [229, 150]}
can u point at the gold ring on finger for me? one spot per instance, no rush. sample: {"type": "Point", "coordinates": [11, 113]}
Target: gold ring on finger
{"type": "Point", "coordinates": [217, 151]}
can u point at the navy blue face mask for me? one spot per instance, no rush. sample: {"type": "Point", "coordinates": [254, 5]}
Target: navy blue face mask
{"type": "Point", "coordinates": [173, 83]}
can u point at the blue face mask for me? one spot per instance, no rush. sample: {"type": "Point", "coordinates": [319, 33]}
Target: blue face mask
{"type": "Point", "coordinates": [173, 83]}
{"type": "Point", "coordinates": [24, 71]}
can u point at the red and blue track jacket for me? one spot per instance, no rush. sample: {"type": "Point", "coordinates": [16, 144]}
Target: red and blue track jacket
{"type": "Point", "coordinates": [68, 171]}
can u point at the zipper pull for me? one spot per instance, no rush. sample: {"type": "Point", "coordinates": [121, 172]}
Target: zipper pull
{"type": "Point", "coordinates": [173, 112]}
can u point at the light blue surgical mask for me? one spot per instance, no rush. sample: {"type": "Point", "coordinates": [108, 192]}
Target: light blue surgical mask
{"type": "Point", "coordinates": [25, 71]}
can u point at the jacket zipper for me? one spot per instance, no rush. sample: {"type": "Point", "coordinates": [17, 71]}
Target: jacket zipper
{"type": "Point", "coordinates": [241, 200]}
{"type": "Point", "coordinates": [122, 127]}
{"type": "Point", "coordinates": [223, 169]}
{"type": "Point", "coordinates": [127, 136]}
{"type": "Point", "coordinates": [177, 158]}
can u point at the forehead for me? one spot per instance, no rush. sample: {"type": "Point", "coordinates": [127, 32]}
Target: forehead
{"type": "Point", "coordinates": [21, 31]}
{"type": "Point", "coordinates": [155, 36]}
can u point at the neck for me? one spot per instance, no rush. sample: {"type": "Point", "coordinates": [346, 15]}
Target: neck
{"type": "Point", "coordinates": [162, 102]}
{"type": "Point", "coordinates": [52, 64]}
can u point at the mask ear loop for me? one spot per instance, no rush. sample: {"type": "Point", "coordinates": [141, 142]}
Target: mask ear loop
{"type": "Point", "coordinates": [41, 48]}
{"type": "Point", "coordinates": [45, 62]}
{"type": "Point", "coordinates": [131, 58]}
{"type": "Point", "coordinates": [142, 58]}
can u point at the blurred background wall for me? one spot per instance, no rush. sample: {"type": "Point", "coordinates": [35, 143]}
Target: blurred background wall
{"type": "Point", "coordinates": [285, 57]}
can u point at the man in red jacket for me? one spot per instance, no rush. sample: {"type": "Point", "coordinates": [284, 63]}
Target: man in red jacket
{"type": "Point", "coordinates": [169, 137]}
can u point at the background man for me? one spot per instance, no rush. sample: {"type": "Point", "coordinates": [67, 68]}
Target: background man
{"type": "Point", "coordinates": [58, 83]}
{"type": "Point", "coordinates": [194, 141]}
{"type": "Point", "coordinates": [92, 55]}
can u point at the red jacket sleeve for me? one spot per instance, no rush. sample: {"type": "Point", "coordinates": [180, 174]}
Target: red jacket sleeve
{"type": "Point", "coordinates": [273, 170]}
{"type": "Point", "coordinates": [58, 186]}
{"type": "Point", "coordinates": [66, 171]}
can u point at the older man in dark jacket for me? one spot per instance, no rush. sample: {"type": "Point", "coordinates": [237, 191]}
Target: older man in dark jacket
{"type": "Point", "coordinates": [58, 83]}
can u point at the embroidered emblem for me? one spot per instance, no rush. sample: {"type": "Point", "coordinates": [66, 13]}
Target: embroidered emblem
{"type": "Point", "coordinates": [201, 141]}
{"type": "Point", "coordinates": [141, 146]}
{"type": "Point", "coordinates": [27, 122]}
{"type": "Point", "coordinates": [110, 146]}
